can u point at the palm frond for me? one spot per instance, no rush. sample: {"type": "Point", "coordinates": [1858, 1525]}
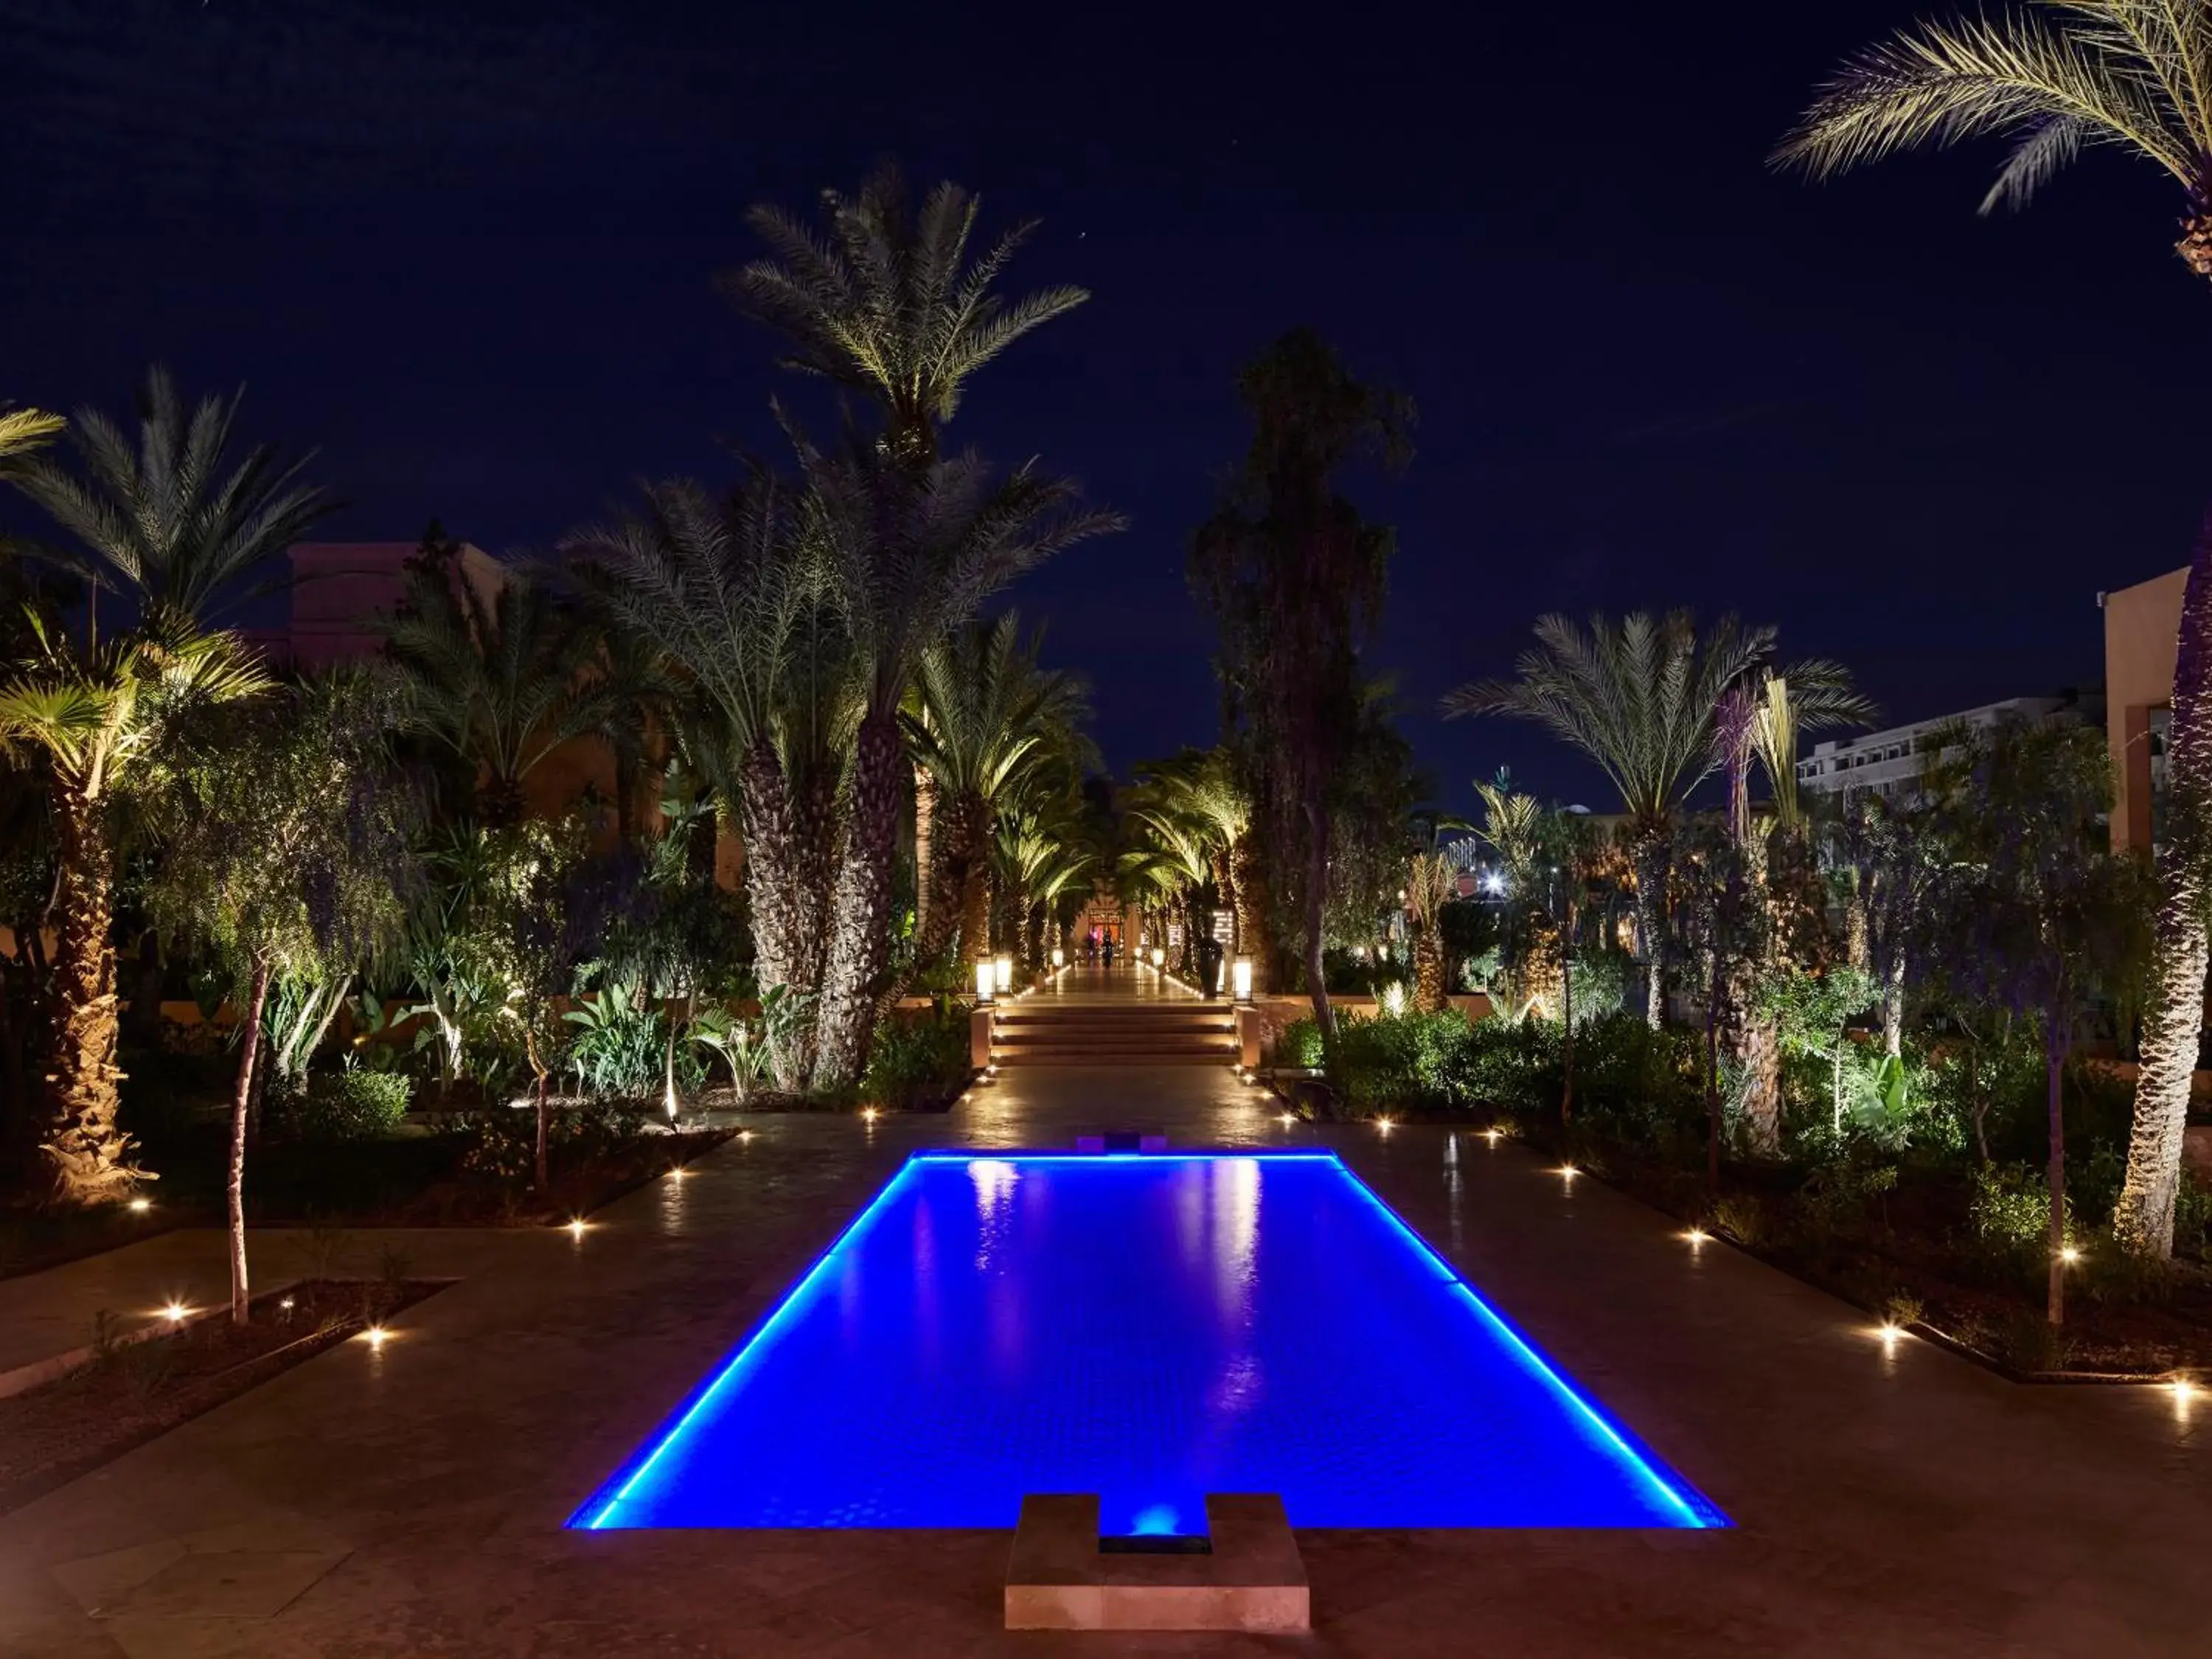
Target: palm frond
{"type": "Point", "coordinates": [2117, 72]}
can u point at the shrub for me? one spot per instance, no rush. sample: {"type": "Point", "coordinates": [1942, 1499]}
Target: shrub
{"type": "Point", "coordinates": [502, 1142]}
{"type": "Point", "coordinates": [2192, 1218]}
{"type": "Point", "coordinates": [620, 1047]}
{"type": "Point", "coordinates": [917, 1063]}
{"type": "Point", "coordinates": [1300, 1045]}
{"type": "Point", "coordinates": [1397, 1063]}
{"type": "Point", "coordinates": [354, 1104]}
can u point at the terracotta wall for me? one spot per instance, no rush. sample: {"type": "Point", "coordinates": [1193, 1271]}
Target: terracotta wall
{"type": "Point", "coordinates": [2141, 623]}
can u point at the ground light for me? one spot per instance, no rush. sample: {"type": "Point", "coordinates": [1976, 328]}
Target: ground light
{"type": "Point", "coordinates": [1568, 1172]}
{"type": "Point", "coordinates": [1288, 1118]}
{"type": "Point", "coordinates": [675, 1172]}
{"type": "Point", "coordinates": [140, 1206]}
{"type": "Point", "coordinates": [868, 1115]}
{"type": "Point", "coordinates": [1385, 1125]}
{"type": "Point", "coordinates": [1491, 1135]}
{"type": "Point", "coordinates": [1697, 1236]}
{"type": "Point", "coordinates": [175, 1312]}
{"type": "Point", "coordinates": [1889, 1332]}
{"type": "Point", "coordinates": [375, 1336]}
{"type": "Point", "coordinates": [2070, 1255]}
{"type": "Point", "coordinates": [576, 1227]}
{"type": "Point", "coordinates": [744, 1134]}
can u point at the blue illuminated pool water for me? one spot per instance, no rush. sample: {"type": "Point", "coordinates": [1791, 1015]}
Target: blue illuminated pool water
{"type": "Point", "coordinates": [1150, 1328]}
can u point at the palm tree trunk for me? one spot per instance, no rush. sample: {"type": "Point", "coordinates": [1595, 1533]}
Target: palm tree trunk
{"type": "Point", "coordinates": [541, 1167]}
{"type": "Point", "coordinates": [1567, 1030]}
{"type": "Point", "coordinates": [249, 1047]}
{"type": "Point", "coordinates": [1428, 971]}
{"type": "Point", "coordinates": [2056, 1040]}
{"type": "Point", "coordinates": [1316, 897]}
{"type": "Point", "coordinates": [860, 940]}
{"type": "Point", "coordinates": [1713, 990]}
{"type": "Point", "coordinates": [774, 884]}
{"type": "Point", "coordinates": [925, 873]}
{"type": "Point", "coordinates": [89, 1153]}
{"type": "Point", "coordinates": [1893, 1004]}
{"type": "Point", "coordinates": [2143, 1221]}
{"type": "Point", "coordinates": [1249, 901]}
{"type": "Point", "coordinates": [1650, 859]}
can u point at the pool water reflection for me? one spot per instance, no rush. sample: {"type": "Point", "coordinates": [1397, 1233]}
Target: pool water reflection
{"type": "Point", "coordinates": [1150, 1328]}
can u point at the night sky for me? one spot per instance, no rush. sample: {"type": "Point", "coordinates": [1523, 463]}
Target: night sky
{"type": "Point", "coordinates": [467, 250]}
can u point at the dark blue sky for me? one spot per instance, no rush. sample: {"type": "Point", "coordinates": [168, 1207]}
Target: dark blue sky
{"type": "Point", "coordinates": [467, 250]}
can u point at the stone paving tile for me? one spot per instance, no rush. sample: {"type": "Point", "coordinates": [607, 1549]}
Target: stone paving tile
{"type": "Point", "coordinates": [1898, 1504]}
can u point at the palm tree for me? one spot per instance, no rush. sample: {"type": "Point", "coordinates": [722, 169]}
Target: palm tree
{"type": "Point", "coordinates": [162, 520]}
{"type": "Point", "coordinates": [887, 302]}
{"type": "Point", "coordinates": [909, 555]}
{"type": "Point", "coordinates": [2132, 74]}
{"type": "Point", "coordinates": [98, 719]}
{"type": "Point", "coordinates": [1295, 578]}
{"type": "Point", "coordinates": [2136, 76]}
{"type": "Point", "coordinates": [1638, 697]}
{"type": "Point", "coordinates": [499, 680]}
{"type": "Point", "coordinates": [2174, 1029]}
{"type": "Point", "coordinates": [1431, 883]}
{"type": "Point", "coordinates": [1170, 868]}
{"type": "Point", "coordinates": [729, 594]}
{"type": "Point", "coordinates": [1199, 789]}
{"type": "Point", "coordinates": [981, 717]}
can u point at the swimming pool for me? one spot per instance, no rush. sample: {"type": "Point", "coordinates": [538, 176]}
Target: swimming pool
{"type": "Point", "coordinates": [1151, 1327]}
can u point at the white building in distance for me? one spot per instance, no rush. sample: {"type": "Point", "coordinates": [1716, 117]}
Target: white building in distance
{"type": "Point", "coordinates": [1889, 763]}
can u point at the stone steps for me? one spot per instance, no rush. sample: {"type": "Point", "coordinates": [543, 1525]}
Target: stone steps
{"type": "Point", "coordinates": [1115, 1033]}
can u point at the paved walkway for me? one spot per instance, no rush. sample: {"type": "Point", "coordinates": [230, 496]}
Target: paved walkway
{"type": "Point", "coordinates": [408, 1502]}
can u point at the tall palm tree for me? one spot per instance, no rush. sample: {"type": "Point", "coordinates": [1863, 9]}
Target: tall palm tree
{"type": "Point", "coordinates": [1042, 851]}
{"type": "Point", "coordinates": [2135, 75]}
{"type": "Point", "coordinates": [166, 519]}
{"type": "Point", "coordinates": [887, 302]}
{"type": "Point", "coordinates": [1638, 697]}
{"type": "Point", "coordinates": [1431, 883]}
{"type": "Point", "coordinates": [97, 718]}
{"type": "Point", "coordinates": [983, 716]}
{"type": "Point", "coordinates": [909, 555]}
{"type": "Point", "coordinates": [1295, 576]}
{"type": "Point", "coordinates": [1200, 790]}
{"type": "Point", "coordinates": [1170, 866]}
{"type": "Point", "coordinates": [726, 588]}
{"type": "Point", "coordinates": [499, 680]}
{"type": "Point", "coordinates": [2132, 74]}
{"type": "Point", "coordinates": [2174, 1029]}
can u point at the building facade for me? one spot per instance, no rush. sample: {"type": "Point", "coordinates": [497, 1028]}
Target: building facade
{"type": "Point", "coordinates": [1889, 763]}
{"type": "Point", "coordinates": [2141, 625]}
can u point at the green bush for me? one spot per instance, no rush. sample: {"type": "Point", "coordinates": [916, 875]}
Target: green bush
{"type": "Point", "coordinates": [617, 1048]}
{"type": "Point", "coordinates": [1396, 1063]}
{"type": "Point", "coordinates": [2009, 1212]}
{"type": "Point", "coordinates": [917, 1063]}
{"type": "Point", "coordinates": [354, 1104]}
{"type": "Point", "coordinates": [1300, 1045]}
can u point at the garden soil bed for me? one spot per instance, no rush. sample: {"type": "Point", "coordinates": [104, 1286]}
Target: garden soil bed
{"type": "Point", "coordinates": [2106, 1338]}
{"type": "Point", "coordinates": [138, 1390]}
